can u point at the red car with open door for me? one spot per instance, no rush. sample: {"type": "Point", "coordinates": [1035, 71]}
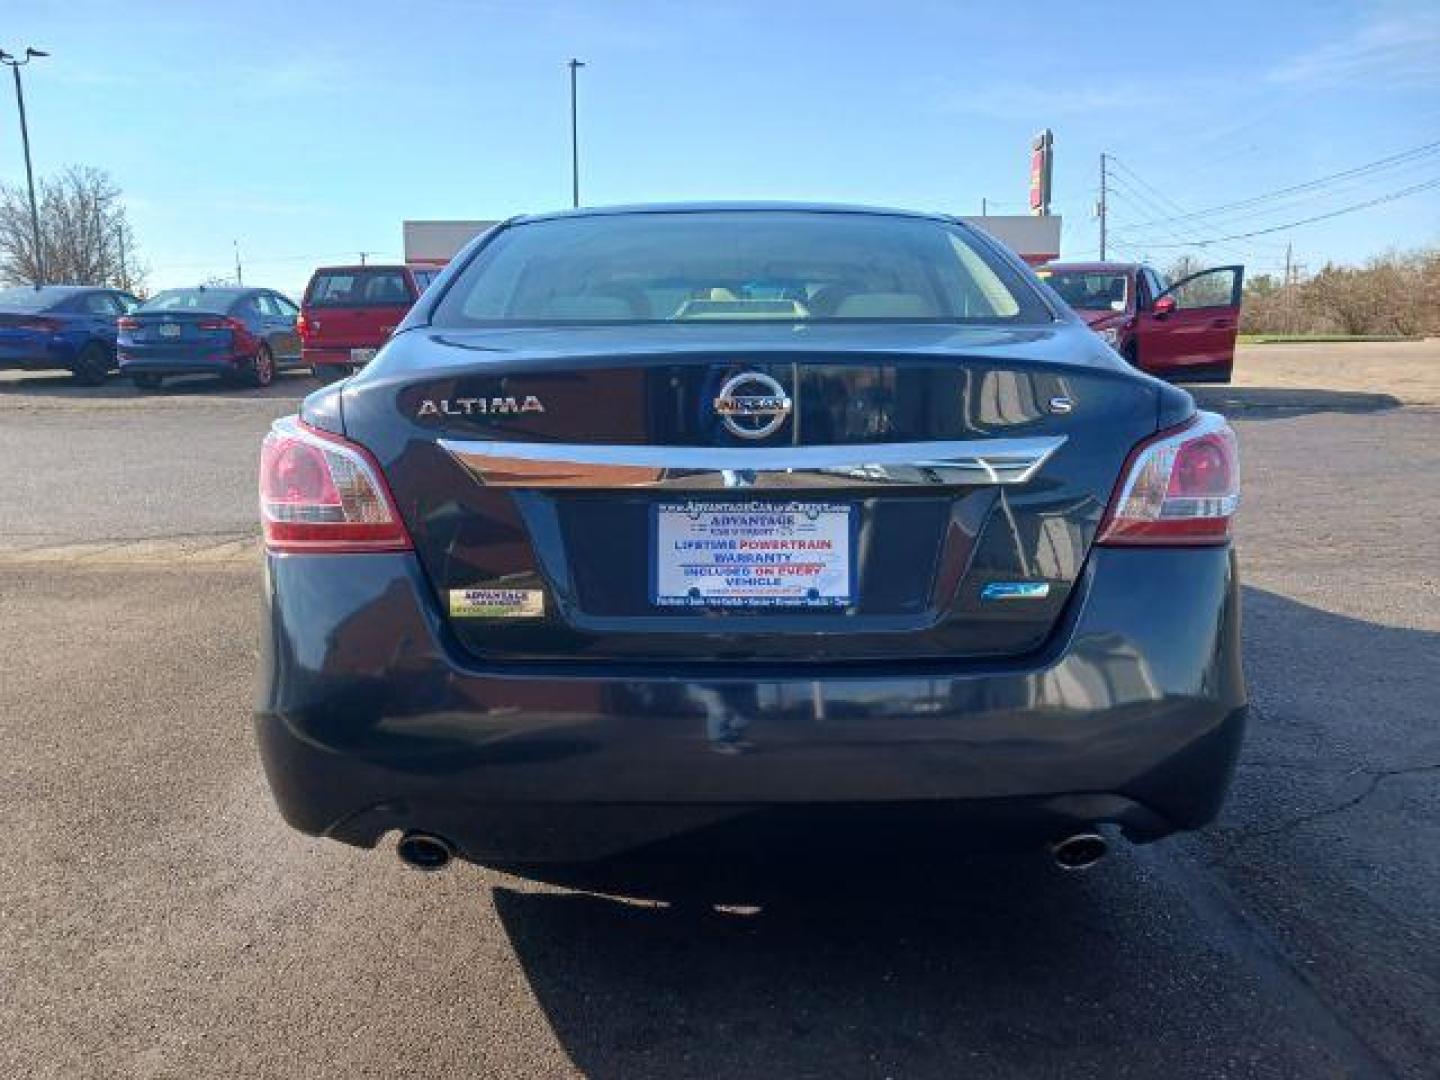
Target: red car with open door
{"type": "Point", "coordinates": [350, 311]}
{"type": "Point", "coordinates": [1183, 331]}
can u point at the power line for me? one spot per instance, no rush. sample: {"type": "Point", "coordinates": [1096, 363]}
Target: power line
{"type": "Point", "coordinates": [1160, 202]}
{"type": "Point", "coordinates": [1380, 164]}
{"type": "Point", "coordinates": [1186, 237]}
{"type": "Point", "coordinates": [1414, 189]}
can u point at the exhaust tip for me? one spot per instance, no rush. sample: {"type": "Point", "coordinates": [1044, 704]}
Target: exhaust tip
{"type": "Point", "coordinates": [1079, 852]}
{"type": "Point", "coordinates": [422, 851]}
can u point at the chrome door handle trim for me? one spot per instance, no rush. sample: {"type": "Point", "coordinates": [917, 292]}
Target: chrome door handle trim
{"type": "Point", "coordinates": [967, 463]}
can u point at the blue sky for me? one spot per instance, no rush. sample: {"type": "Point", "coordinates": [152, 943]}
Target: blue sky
{"type": "Point", "coordinates": [309, 131]}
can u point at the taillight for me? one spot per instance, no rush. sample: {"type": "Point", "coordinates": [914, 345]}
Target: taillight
{"type": "Point", "coordinates": [322, 493]}
{"type": "Point", "coordinates": [1180, 487]}
{"type": "Point", "coordinates": [305, 326]}
{"type": "Point", "coordinates": [125, 322]}
{"type": "Point", "coordinates": [244, 340]}
{"type": "Point", "coordinates": [40, 324]}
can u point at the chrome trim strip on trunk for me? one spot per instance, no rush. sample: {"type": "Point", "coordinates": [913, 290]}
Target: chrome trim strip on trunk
{"type": "Point", "coordinates": [974, 462]}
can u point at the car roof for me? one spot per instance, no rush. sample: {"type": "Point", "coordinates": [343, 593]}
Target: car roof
{"type": "Point", "coordinates": [369, 266]}
{"type": "Point", "coordinates": [708, 207]}
{"type": "Point", "coordinates": [1097, 267]}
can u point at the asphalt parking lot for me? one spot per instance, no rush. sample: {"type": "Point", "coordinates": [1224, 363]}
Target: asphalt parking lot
{"type": "Point", "coordinates": [158, 919]}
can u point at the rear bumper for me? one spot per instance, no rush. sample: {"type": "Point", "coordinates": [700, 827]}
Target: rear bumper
{"type": "Point", "coordinates": [132, 363]}
{"type": "Point", "coordinates": [369, 719]}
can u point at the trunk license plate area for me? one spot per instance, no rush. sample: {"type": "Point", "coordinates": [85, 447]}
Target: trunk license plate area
{"type": "Point", "coordinates": [360, 357]}
{"type": "Point", "coordinates": [170, 330]}
{"type": "Point", "coordinates": [761, 554]}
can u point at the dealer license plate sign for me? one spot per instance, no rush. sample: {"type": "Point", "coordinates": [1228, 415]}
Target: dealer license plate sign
{"type": "Point", "coordinates": [725, 554]}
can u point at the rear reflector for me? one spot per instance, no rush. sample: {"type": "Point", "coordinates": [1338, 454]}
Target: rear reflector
{"type": "Point", "coordinates": [322, 493]}
{"type": "Point", "coordinates": [1180, 487]}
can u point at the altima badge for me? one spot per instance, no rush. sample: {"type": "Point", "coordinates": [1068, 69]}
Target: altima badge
{"type": "Point", "coordinates": [469, 406]}
{"type": "Point", "coordinates": [752, 405]}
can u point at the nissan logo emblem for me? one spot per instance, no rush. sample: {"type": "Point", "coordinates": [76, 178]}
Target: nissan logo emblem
{"type": "Point", "coordinates": [752, 405]}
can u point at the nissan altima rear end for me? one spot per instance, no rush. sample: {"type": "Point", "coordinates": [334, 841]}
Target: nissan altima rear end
{"type": "Point", "coordinates": [654, 521]}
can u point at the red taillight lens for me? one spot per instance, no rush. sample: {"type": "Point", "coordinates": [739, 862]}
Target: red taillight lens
{"type": "Point", "coordinates": [321, 493]}
{"type": "Point", "coordinates": [40, 324]}
{"type": "Point", "coordinates": [1181, 487]}
{"type": "Point", "coordinates": [125, 322]}
{"type": "Point", "coordinates": [244, 341]}
{"type": "Point", "coordinates": [304, 327]}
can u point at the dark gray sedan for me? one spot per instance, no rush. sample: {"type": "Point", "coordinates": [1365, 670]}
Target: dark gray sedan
{"type": "Point", "coordinates": [804, 521]}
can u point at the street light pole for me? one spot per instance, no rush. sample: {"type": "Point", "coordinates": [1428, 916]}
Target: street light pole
{"type": "Point", "coordinates": [575, 65]}
{"type": "Point", "coordinates": [15, 65]}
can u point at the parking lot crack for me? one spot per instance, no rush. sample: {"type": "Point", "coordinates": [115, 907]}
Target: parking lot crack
{"type": "Point", "coordinates": [1376, 777]}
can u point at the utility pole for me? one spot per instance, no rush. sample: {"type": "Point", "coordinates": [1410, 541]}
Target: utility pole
{"type": "Point", "coordinates": [575, 66]}
{"type": "Point", "coordinates": [239, 273]}
{"type": "Point", "coordinates": [1288, 294]}
{"type": "Point", "coordinates": [984, 206]}
{"type": "Point", "coordinates": [15, 66]}
{"type": "Point", "coordinates": [1101, 207]}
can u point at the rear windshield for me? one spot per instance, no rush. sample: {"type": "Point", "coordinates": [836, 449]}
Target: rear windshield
{"type": "Point", "coordinates": [358, 288]}
{"type": "Point", "coordinates": [29, 298]}
{"type": "Point", "coordinates": [736, 266]}
{"type": "Point", "coordinates": [216, 300]}
{"type": "Point", "coordinates": [1089, 290]}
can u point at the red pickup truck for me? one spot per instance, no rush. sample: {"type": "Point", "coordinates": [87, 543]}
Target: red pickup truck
{"type": "Point", "coordinates": [1184, 331]}
{"type": "Point", "coordinates": [350, 311]}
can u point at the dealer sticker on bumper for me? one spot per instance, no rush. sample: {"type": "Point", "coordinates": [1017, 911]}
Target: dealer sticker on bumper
{"type": "Point", "coordinates": [752, 554]}
{"type": "Point", "coordinates": [497, 603]}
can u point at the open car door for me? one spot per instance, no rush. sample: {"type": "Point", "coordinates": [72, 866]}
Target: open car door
{"type": "Point", "coordinates": [1188, 332]}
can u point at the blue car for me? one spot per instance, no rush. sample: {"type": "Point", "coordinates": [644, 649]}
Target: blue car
{"type": "Point", "coordinates": [61, 326]}
{"type": "Point", "coordinates": [238, 334]}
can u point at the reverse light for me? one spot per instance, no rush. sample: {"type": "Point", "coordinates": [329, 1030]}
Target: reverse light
{"type": "Point", "coordinates": [322, 493]}
{"type": "Point", "coordinates": [1180, 487]}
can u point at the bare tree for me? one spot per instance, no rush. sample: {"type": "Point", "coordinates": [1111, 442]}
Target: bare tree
{"type": "Point", "coordinates": [84, 233]}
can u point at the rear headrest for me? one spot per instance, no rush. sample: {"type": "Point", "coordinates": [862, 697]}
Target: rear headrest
{"type": "Point", "coordinates": [588, 307]}
{"type": "Point", "coordinates": [883, 305]}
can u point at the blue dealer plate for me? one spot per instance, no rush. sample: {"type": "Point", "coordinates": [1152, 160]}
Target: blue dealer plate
{"type": "Point", "coordinates": [719, 554]}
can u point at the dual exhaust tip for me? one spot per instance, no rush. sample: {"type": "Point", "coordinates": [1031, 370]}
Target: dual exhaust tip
{"type": "Point", "coordinates": [424, 851]}
{"type": "Point", "coordinates": [1080, 851]}
{"type": "Point", "coordinates": [427, 852]}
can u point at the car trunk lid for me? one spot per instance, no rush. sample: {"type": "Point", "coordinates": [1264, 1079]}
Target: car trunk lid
{"type": "Point", "coordinates": [934, 500]}
{"type": "Point", "coordinates": [185, 328]}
